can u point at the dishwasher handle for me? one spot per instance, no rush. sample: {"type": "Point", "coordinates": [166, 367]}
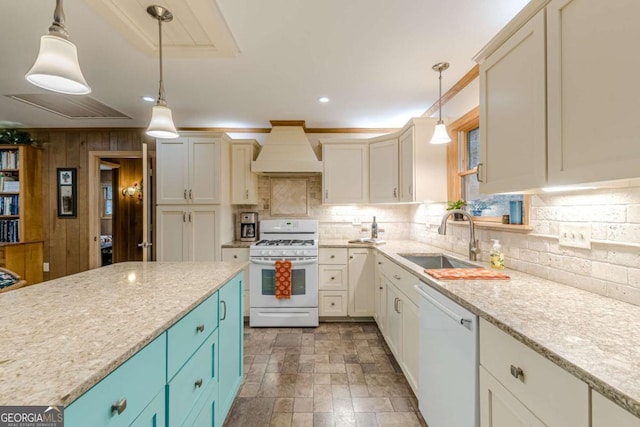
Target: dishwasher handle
{"type": "Point", "coordinates": [461, 320]}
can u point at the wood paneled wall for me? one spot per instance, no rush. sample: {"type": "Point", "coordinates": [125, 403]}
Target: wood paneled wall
{"type": "Point", "coordinates": [66, 241]}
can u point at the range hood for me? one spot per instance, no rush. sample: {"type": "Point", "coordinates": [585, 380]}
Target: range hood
{"type": "Point", "coordinates": [286, 151]}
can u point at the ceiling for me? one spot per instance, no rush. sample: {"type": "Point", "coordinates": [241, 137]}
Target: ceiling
{"type": "Point", "coordinates": [372, 58]}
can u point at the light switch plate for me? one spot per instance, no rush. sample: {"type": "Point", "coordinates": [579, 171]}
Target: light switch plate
{"type": "Point", "coordinates": [575, 235]}
{"type": "Point", "coordinates": [45, 267]}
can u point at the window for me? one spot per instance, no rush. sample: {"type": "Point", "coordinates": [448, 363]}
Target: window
{"type": "Point", "coordinates": [464, 156]}
{"type": "Point", "coordinates": [107, 200]}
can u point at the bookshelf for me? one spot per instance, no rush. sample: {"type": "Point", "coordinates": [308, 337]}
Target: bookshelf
{"type": "Point", "coordinates": [21, 228]}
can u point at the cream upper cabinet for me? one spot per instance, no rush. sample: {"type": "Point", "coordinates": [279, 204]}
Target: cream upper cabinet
{"type": "Point", "coordinates": [361, 281]}
{"type": "Point", "coordinates": [383, 170]}
{"type": "Point", "coordinates": [423, 166]}
{"type": "Point", "coordinates": [193, 170]}
{"type": "Point", "coordinates": [605, 413]}
{"type": "Point", "coordinates": [558, 96]}
{"type": "Point", "coordinates": [513, 112]}
{"type": "Point", "coordinates": [345, 178]}
{"type": "Point", "coordinates": [244, 183]}
{"type": "Point", "coordinates": [593, 90]}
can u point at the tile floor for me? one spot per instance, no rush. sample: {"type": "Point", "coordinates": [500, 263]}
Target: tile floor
{"type": "Point", "coordinates": [339, 374]}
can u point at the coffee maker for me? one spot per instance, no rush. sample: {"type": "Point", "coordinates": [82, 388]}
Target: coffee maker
{"type": "Point", "coordinates": [248, 226]}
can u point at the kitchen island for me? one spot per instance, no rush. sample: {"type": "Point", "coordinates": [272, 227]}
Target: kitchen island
{"type": "Point", "coordinates": [62, 337]}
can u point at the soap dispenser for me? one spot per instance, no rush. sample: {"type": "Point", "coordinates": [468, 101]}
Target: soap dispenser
{"type": "Point", "coordinates": [374, 229]}
{"type": "Point", "coordinates": [496, 255]}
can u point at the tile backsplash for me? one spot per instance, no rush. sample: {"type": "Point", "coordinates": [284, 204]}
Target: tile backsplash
{"type": "Point", "coordinates": [611, 267]}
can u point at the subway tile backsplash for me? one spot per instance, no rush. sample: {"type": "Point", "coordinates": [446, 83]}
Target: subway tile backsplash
{"type": "Point", "coordinates": [611, 267]}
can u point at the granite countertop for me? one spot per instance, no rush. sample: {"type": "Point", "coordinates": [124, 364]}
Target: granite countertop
{"type": "Point", "coordinates": [595, 338]}
{"type": "Point", "coordinates": [61, 337]}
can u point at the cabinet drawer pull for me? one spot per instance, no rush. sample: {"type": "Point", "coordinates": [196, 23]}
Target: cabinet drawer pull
{"type": "Point", "coordinates": [379, 262]}
{"type": "Point", "coordinates": [184, 217]}
{"type": "Point", "coordinates": [190, 217]}
{"type": "Point", "coordinates": [517, 372]}
{"type": "Point", "coordinates": [478, 173]}
{"type": "Point", "coordinates": [190, 194]}
{"type": "Point", "coordinates": [200, 328]}
{"type": "Point", "coordinates": [246, 194]}
{"type": "Point", "coordinates": [333, 256]}
{"type": "Point", "coordinates": [198, 383]}
{"type": "Point", "coordinates": [119, 406]}
{"type": "Point", "coordinates": [185, 194]}
{"type": "Point", "coordinates": [395, 192]}
{"type": "Point", "coordinates": [224, 303]}
{"type": "Point", "coordinates": [396, 276]}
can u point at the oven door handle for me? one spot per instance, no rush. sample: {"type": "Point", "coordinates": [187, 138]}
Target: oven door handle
{"type": "Point", "coordinates": [293, 263]}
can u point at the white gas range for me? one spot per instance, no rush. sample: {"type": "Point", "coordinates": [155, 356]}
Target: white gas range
{"type": "Point", "coordinates": [295, 240]}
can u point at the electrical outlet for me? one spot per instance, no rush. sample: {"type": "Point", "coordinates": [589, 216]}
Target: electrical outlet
{"type": "Point", "coordinates": [45, 267]}
{"type": "Point", "coordinates": [575, 235]}
{"type": "Point", "coordinates": [356, 221]}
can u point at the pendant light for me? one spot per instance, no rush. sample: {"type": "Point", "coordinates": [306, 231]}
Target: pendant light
{"type": "Point", "coordinates": [56, 67]}
{"type": "Point", "coordinates": [440, 135]}
{"type": "Point", "coordinates": [161, 125]}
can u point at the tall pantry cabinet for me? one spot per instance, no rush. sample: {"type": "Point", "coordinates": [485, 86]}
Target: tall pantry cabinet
{"type": "Point", "coordinates": [193, 213]}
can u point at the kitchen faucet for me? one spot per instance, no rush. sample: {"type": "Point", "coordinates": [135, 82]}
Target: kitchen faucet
{"type": "Point", "coordinates": [473, 244]}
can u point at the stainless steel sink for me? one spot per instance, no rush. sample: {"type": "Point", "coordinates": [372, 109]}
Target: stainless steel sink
{"type": "Point", "coordinates": [436, 261]}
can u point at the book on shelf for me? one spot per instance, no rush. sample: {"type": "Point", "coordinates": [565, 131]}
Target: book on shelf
{"type": "Point", "coordinates": [9, 159]}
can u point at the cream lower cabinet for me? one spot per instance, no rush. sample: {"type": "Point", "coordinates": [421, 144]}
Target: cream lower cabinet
{"type": "Point", "coordinates": [605, 413]}
{"type": "Point", "coordinates": [187, 233]}
{"type": "Point", "coordinates": [383, 170]}
{"type": "Point", "coordinates": [242, 255]}
{"type": "Point", "coordinates": [380, 294]}
{"type": "Point", "coordinates": [519, 387]}
{"type": "Point", "coordinates": [401, 317]}
{"type": "Point", "coordinates": [333, 282]}
{"type": "Point", "coordinates": [361, 282]}
{"type": "Point", "coordinates": [345, 177]}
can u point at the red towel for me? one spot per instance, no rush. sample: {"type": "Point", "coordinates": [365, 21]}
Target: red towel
{"type": "Point", "coordinates": [283, 279]}
{"type": "Point", "coordinates": [465, 274]}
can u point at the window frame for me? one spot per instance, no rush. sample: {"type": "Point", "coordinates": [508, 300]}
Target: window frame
{"type": "Point", "coordinates": [457, 161]}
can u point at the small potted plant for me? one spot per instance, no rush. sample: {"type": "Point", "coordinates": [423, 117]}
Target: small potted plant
{"type": "Point", "coordinates": [457, 204]}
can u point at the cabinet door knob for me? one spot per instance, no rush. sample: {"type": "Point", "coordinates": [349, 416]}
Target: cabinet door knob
{"type": "Point", "coordinates": [326, 194]}
{"type": "Point", "coordinates": [185, 194]}
{"type": "Point", "coordinates": [246, 195]}
{"type": "Point", "coordinates": [333, 278]}
{"type": "Point", "coordinates": [395, 192]}
{"type": "Point", "coordinates": [198, 383]}
{"type": "Point", "coordinates": [200, 328]}
{"type": "Point", "coordinates": [379, 262]}
{"type": "Point", "coordinates": [184, 217]}
{"type": "Point", "coordinates": [380, 288]}
{"type": "Point", "coordinates": [333, 256]}
{"type": "Point", "coordinates": [517, 372]}
{"type": "Point", "coordinates": [235, 257]}
{"type": "Point", "coordinates": [332, 304]}
{"type": "Point", "coordinates": [351, 257]}
{"type": "Point", "coordinates": [190, 194]}
{"type": "Point", "coordinates": [119, 406]}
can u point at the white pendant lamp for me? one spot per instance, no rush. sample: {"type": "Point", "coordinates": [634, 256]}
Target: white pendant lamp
{"type": "Point", "coordinates": [440, 135]}
{"type": "Point", "coordinates": [161, 125]}
{"type": "Point", "coordinates": [56, 67]}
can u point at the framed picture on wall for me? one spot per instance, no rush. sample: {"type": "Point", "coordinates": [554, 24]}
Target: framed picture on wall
{"type": "Point", "coordinates": [67, 207]}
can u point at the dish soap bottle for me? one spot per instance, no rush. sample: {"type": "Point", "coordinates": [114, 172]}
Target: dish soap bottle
{"type": "Point", "coordinates": [496, 255]}
{"type": "Point", "coordinates": [374, 229]}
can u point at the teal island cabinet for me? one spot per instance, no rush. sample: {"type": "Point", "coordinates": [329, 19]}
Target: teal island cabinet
{"type": "Point", "coordinates": [187, 376]}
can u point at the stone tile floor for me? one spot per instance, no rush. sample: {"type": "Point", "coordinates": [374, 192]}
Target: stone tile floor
{"type": "Point", "coordinates": [339, 374]}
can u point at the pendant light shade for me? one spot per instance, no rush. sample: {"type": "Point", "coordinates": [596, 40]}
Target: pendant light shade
{"type": "Point", "coordinates": [56, 68]}
{"type": "Point", "coordinates": [161, 125]}
{"type": "Point", "coordinates": [440, 134]}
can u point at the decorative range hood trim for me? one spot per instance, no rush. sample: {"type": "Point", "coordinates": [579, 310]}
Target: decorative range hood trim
{"type": "Point", "coordinates": [287, 151]}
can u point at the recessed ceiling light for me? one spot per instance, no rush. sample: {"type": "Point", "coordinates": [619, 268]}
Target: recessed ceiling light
{"type": "Point", "coordinates": [323, 99]}
{"type": "Point", "coordinates": [148, 98]}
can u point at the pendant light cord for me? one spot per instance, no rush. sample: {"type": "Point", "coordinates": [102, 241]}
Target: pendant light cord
{"type": "Point", "coordinates": [161, 100]}
{"type": "Point", "coordinates": [440, 98]}
{"type": "Point", "coordinates": [57, 27]}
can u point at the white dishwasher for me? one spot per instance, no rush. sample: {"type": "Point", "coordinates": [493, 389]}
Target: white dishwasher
{"type": "Point", "coordinates": [448, 379]}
